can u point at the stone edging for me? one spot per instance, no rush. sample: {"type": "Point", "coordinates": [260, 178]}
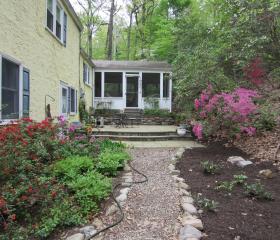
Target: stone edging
{"type": "Point", "coordinates": [85, 232]}
{"type": "Point", "coordinates": [191, 225]}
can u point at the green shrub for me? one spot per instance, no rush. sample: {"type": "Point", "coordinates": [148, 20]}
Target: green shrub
{"type": "Point", "coordinates": [108, 145]}
{"type": "Point", "coordinates": [157, 113]}
{"type": "Point", "coordinates": [73, 166]}
{"type": "Point", "coordinates": [226, 185]}
{"type": "Point", "coordinates": [240, 179]}
{"type": "Point", "coordinates": [266, 120]}
{"type": "Point", "coordinates": [109, 162]}
{"type": "Point", "coordinates": [210, 167]}
{"type": "Point", "coordinates": [90, 189]}
{"type": "Point", "coordinates": [206, 204]}
{"type": "Point", "coordinates": [63, 213]}
{"type": "Point", "coordinates": [257, 190]}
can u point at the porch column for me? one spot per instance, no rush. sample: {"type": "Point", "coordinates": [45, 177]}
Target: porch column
{"type": "Point", "coordinates": [170, 92]}
{"type": "Point", "coordinates": [102, 84]}
{"type": "Point", "coordinates": [161, 89]}
{"type": "Point", "coordinates": [124, 89]}
{"type": "Point", "coordinates": [140, 92]}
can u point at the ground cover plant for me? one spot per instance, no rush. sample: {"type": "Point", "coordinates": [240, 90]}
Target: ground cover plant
{"type": "Point", "coordinates": [49, 177]}
{"type": "Point", "coordinates": [248, 203]}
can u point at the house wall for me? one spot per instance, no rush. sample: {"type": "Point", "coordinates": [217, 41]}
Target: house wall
{"type": "Point", "coordinates": [87, 89]}
{"type": "Point", "coordinates": [24, 37]}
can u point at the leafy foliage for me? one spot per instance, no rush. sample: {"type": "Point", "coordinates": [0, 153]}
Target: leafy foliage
{"type": "Point", "coordinates": [206, 204]}
{"type": "Point", "coordinates": [48, 178]}
{"type": "Point", "coordinates": [258, 191]}
{"type": "Point", "coordinates": [210, 167]}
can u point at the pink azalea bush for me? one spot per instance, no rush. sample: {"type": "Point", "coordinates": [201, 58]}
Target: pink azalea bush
{"type": "Point", "coordinates": [228, 112]}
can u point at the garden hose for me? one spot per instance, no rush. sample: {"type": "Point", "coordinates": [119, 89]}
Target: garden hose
{"type": "Point", "coordinates": [118, 204]}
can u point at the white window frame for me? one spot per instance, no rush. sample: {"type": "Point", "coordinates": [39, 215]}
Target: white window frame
{"type": "Point", "coordinates": [68, 105]}
{"type": "Point", "coordinates": [63, 86]}
{"type": "Point", "coordinates": [75, 101]}
{"type": "Point", "coordinates": [88, 79]}
{"type": "Point", "coordinates": [20, 107]}
{"type": "Point", "coordinates": [56, 3]}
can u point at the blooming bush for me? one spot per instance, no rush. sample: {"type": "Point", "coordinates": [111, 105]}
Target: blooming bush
{"type": "Point", "coordinates": [228, 113]}
{"type": "Point", "coordinates": [34, 200]}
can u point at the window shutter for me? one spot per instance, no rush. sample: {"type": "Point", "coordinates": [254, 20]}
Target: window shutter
{"type": "Point", "coordinates": [64, 29]}
{"type": "Point", "coordinates": [76, 101]}
{"type": "Point", "coordinates": [69, 100]}
{"type": "Point", "coordinates": [84, 72]}
{"type": "Point", "coordinates": [26, 92]}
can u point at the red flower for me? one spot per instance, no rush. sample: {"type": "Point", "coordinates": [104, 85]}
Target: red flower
{"type": "Point", "coordinates": [2, 203]}
{"type": "Point", "coordinates": [30, 190]}
{"type": "Point", "coordinates": [54, 194]}
{"type": "Point", "coordinates": [13, 217]}
{"type": "Point", "coordinates": [23, 198]}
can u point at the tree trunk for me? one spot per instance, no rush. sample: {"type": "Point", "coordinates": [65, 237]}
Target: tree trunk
{"type": "Point", "coordinates": [129, 35]}
{"type": "Point", "coordinates": [110, 31]}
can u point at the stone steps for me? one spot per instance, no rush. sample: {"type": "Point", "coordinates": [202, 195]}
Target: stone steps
{"type": "Point", "coordinates": [128, 133]}
{"type": "Point", "coordinates": [144, 138]}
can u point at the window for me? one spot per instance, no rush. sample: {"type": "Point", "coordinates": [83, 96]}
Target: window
{"type": "Point", "coordinates": [113, 84]}
{"type": "Point", "coordinates": [10, 90]}
{"type": "Point", "coordinates": [57, 20]}
{"type": "Point", "coordinates": [50, 14]}
{"type": "Point", "coordinates": [151, 85]}
{"type": "Point", "coordinates": [14, 90]}
{"type": "Point", "coordinates": [97, 84]}
{"type": "Point", "coordinates": [166, 81]}
{"type": "Point", "coordinates": [26, 92]}
{"type": "Point", "coordinates": [68, 100]}
{"type": "Point", "coordinates": [86, 74]}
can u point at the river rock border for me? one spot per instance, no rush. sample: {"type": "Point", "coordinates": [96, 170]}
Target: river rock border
{"type": "Point", "coordinates": [86, 232]}
{"type": "Point", "coordinates": [191, 225]}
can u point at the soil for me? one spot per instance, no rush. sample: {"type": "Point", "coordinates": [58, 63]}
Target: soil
{"type": "Point", "coordinates": [237, 214]}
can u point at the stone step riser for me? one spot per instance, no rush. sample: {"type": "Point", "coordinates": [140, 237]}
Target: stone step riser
{"type": "Point", "coordinates": [135, 133]}
{"type": "Point", "coordinates": [141, 139]}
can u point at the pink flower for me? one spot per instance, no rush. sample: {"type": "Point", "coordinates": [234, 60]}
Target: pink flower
{"type": "Point", "coordinates": [197, 130]}
{"type": "Point", "coordinates": [249, 130]}
{"type": "Point", "coordinates": [72, 128]}
{"type": "Point", "coordinates": [196, 104]}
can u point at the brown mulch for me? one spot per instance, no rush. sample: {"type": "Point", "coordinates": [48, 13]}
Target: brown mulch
{"type": "Point", "coordinates": [262, 146]}
{"type": "Point", "coordinates": [237, 214]}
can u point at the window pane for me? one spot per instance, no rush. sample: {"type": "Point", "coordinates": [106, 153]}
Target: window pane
{"type": "Point", "coordinates": [58, 14]}
{"type": "Point", "coordinates": [166, 78]}
{"type": "Point", "coordinates": [50, 5]}
{"type": "Point", "coordinates": [58, 22]}
{"type": "Point", "coordinates": [26, 81]}
{"type": "Point", "coordinates": [25, 105]}
{"type": "Point", "coordinates": [10, 90]}
{"type": "Point", "coordinates": [151, 85]}
{"type": "Point", "coordinates": [113, 85]}
{"type": "Point", "coordinates": [72, 100]}
{"type": "Point", "coordinates": [49, 20]}
{"type": "Point", "coordinates": [65, 29]}
{"type": "Point", "coordinates": [97, 84]}
{"type": "Point", "coordinates": [64, 100]}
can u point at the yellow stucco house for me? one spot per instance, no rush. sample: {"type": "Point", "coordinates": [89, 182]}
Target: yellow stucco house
{"type": "Point", "coordinates": [41, 61]}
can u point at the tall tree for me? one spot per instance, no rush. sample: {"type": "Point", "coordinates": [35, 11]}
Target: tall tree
{"type": "Point", "coordinates": [110, 31]}
{"type": "Point", "coordinates": [91, 19]}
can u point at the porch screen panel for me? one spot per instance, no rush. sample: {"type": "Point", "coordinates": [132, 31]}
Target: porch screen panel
{"type": "Point", "coordinates": [151, 85]}
{"type": "Point", "coordinates": [97, 84]}
{"type": "Point", "coordinates": [10, 90]}
{"type": "Point", "coordinates": [113, 84]}
{"type": "Point", "coordinates": [166, 78]}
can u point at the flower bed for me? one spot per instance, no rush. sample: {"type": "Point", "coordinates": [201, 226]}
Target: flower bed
{"type": "Point", "coordinates": [237, 203]}
{"type": "Point", "coordinates": [50, 180]}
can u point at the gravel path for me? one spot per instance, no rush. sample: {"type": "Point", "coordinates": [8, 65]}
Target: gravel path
{"type": "Point", "coordinates": [152, 208]}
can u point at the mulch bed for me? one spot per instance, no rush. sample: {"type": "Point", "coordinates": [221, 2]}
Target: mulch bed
{"type": "Point", "coordinates": [237, 214]}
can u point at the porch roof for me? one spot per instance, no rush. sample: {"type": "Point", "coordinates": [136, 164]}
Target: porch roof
{"type": "Point", "coordinates": [132, 65]}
